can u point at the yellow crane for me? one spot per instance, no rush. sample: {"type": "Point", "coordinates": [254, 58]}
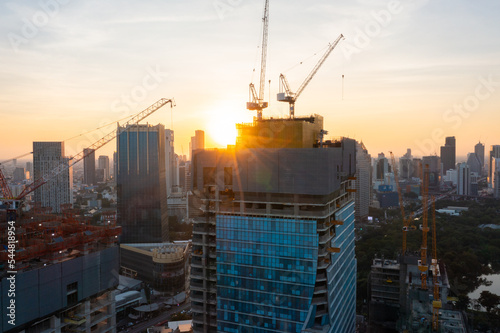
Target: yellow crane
{"type": "Point", "coordinates": [422, 263]}
{"type": "Point", "coordinates": [436, 303]}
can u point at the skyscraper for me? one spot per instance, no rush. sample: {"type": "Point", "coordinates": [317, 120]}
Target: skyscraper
{"type": "Point", "coordinates": [363, 181]}
{"type": "Point", "coordinates": [494, 153]}
{"type": "Point", "coordinates": [170, 161]}
{"type": "Point", "coordinates": [89, 167]}
{"type": "Point", "coordinates": [448, 152]}
{"type": "Point", "coordinates": [103, 164]}
{"type": "Point", "coordinates": [46, 157]}
{"type": "Point", "coordinates": [381, 167]}
{"type": "Point", "coordinates": [141, 184]}
{"type": "Point", "coordinates": [197, 142]}
{"type": "Point", "coordinates": [479, 151]}
{"type": "Point", "coordinates": [406, 165]}
{"type": "Point", "coordinates": [495, 183]}
{"type": "Point", "coordinates": [463, 179]}
{"type": "Point", "coordinates": [274, 249]}
{"type": "Point", "coordinates": [474, 163]}
{"type": "Point", "coordinates": [434, 165]}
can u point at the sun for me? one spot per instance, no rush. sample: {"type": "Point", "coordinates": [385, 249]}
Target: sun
{"type": "Point", "coordinates": [222, 129]}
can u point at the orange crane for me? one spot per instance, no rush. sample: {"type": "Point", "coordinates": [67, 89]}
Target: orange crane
{"type": "Point", "coordinates": [436, 303]}
{"type": "Point", "coordinates": [257, 101]}
{"type": "Point", "coordinates": [406, 221]}
{"type": "Point", "coordinates": [5, 191]}
{"type": "Point", "coordinates": [422, 263]}
{"type": "Point", "coordinates": [14, 203]}
{"type": "Point", "coordinates": [286, 94]}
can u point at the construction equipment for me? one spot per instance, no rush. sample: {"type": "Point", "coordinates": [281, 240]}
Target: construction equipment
{"type": "Point", "coordinates": [436, 303]}
{"type": "Point", "coordinates": [14, 203]}
{"type": "Point", "coordinates": [257, 101]}
{"type": "Point", "coordinates": [422, 263]}
{"type": "Point", "coordinates": [406, 221]}
{"type": "Point", "coordinates": [286, 94]}
{"type": "Point", "coordinates": [5, 191]}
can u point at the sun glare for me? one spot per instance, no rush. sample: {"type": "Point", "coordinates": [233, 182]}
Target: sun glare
{"type": "Point", "coordinates": [222, 129]}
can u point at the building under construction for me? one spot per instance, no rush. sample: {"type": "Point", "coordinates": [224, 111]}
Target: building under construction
{"type": "Point", "coordinates": [66, 271]}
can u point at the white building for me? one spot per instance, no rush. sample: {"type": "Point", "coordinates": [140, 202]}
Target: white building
{"type": "Point", "coordinates": [463, 180]}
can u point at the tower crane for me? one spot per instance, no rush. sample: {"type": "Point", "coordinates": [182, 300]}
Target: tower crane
{"type": "Point", "coordinates": [286, 94]}
{"type": "Point", "coordinates": [422, 263]}
{"type": "Point", "coordinates": [5, 191]}
{"type": "Point", "coordinates": [14, 203]}
{"type": "Point", "coordinates": [436, 303]}
{"type": "Point", "coordinates": [257, 101]}
{"type": "Point", "coordinates": [406, 221]}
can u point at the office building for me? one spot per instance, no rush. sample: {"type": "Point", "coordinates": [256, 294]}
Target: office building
{"type": "Point", "coordinates": [381, 167]}
{"type": "Point", "coordinates": [448, 152]}
{"type": "Point", "coordinates": [274, 248]}
{"type": "Point", "coordinates": [103, 164]}
{"type": "Point", "coordinates": [463, 179]}
{"type": "Point", "coordinates": [164, 266]}
{"type": "Point", "coordinates": [495, 175]}
{"type": "Point", "coordinates": [406, 165]}
{"type": "Point", "coordinates": [29, 170]}
{"type": "Point", "coordinates": [89, 167]}
{"type": "Point", "coordinates": [474, 163]}
{"type": "Point", "coordinates": [57, 191]}
{"type": "Point", "coordinates": [494, 153]}
{"type": "Point", "coordinates": [474, 184]}
{"type": "Point", "coordinates": [170, 161]}
{"type": "Point", "coordinates": [197, 142]}
{"type": "Point", "coordinates": [141, 184]}
{"type": "Point", "coordinates": [434, 164]}
{"type": "Point", "coordinates": [363, 181]}
{"type": "Point", "coordinates": [479, 151]}
{"type": "Point", "coordinates": [19, 175]}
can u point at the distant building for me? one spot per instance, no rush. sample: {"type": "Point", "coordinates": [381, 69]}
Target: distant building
{"type": "Point", "coordinates": [463, 179]}
{"type": "Point", "coordinates": [363, 181]}
{"type": "Point", "coordinates": [197, 142]}
{"type": "Point", "coordinates": [103, 164]}
{"type": "Point", "coordinates": [141, 184]}
{"type": "Point", "coordinates": [388, 199]}
{"type": "Point", "coordinates": [474, 163]}
{"type": "Point", "coordinates": [434, 165]}
{"type": "Point", "coordinates": [494, 153]}
{"type": "Point", "coordinates": [18, 175]}
{"type": "Point", "coordinates": [495, 175]}
{"type": "Point", "coordinates": [448, 152]}
{"type": "Point", "coordinates": [89, 167]}
{"type": "Point", "coordinates": [170, 162]}
{"type": "Point", "coordinates": [29, 169]}
{"type": "Point", "coordinates": [479, 151]}
{"type": "Point", "coordinates": [58, 191]}
{"type": "Point", "coordinates": [381, 167]}
{"type": "Point", "coordinates": [406, 165]}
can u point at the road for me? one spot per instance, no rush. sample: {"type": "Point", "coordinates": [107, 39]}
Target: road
{"type": "Point", "coordinates": [141, 327]}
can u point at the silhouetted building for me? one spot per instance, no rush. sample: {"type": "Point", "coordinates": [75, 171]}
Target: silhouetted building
{"type": "Point", "coordinates": [103, 164]}
{"type": "Point", "coordinates": [141, 184]}
{"type": "Point", "coordinates": [381, 167]}
{"type": "Point", "coordinates": [89, 167]}
{"type": "Point", "coordinates": [495, 166]}
{"type": "Point", "coordinates": [406, 165]}
{"type": "Point", "coordinates": [18, 175]}
{"type": "Point", "coordinates": [448, 152]}
{"type": "Point", "coordinates": [363, 181]}
{"type": "Point", "coordinates": [494, 153]}
{"type": "Point", "coordinates": [170, 162]}
{"type": "Point", "coordinates": [434, 165]}
{"type": "Point", "coordinates": [197, 142]}
{"type": "Point", "coordinates": [474, 163]}
{"type": "Point", "coordinates": [463, 179]}
{"type": "Point", "coordinates": [479, 151]}
{"type": "Point", "coordinates": [57, 191]}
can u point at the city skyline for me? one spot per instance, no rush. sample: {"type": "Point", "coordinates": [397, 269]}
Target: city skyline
{"type": "Point", "coordinates": [415, 72]}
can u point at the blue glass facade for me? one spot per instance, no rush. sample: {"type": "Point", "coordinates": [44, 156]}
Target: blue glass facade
{"type": "Point", "coordinates": [266, 272]}
{"type": "Point", "coordinates": [141, 184]}
{"type": "Point", "coordinates": [341, 274]}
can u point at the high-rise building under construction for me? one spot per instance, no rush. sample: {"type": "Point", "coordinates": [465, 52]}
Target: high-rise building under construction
{"type": "Point", "coordinates": [273, 242]}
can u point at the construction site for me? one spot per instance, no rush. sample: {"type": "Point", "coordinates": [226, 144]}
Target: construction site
{"type": "Point", "coordinates": [412, 293]}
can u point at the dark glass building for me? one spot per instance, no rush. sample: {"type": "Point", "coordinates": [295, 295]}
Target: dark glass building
{"type": "Point", "coordinates": [448, 152]}
{"type": "Point", "coordinates": [141, 184]}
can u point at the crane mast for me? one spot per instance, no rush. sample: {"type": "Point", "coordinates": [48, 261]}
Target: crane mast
{"type": "Point", "coordinates": [436, 303]}
{"type": "Point", "coordinates": [288, 95]}
{"type": "Point", "coordinates": [257, 100]}
{"type": "Point", "coordinates": [422, 263]}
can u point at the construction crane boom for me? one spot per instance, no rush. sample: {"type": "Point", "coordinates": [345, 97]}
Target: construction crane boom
{"type": "Point", "coordinates": [288, 95]}
{"type": "Point", "coordinates": [257, 101]}
{"type": "Point", "coordinates": [96, 145]}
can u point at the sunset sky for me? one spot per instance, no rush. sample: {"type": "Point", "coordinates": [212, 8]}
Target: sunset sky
{"type": "Point", "coordinates": [415, 71]}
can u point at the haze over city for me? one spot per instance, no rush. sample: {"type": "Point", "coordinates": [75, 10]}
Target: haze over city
{"type": "Point", "coordinates": [414, 72]}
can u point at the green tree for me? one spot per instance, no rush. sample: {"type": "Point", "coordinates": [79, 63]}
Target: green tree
{"type": "Point", "coordinates": [489, 300]}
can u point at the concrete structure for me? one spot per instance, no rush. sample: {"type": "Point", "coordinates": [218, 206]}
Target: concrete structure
{"type": "Point", "coordinates": [273, 247]}
{"type": "Point", "coordinates": [479, 151]}
{"type": "Point", "coordinates": [164, 266]}
{"type": "Point", "coordinates": [170, 162]}
{"type": "Point", "coordinates": [141, 184]}
{"type": "Point", "coordinates": [494, 153]}
{"type": "Point", "coordinates": [67, 272]}
{"type": "Point", "coordinates": [363, 181]}
{"type": "Point", "coordinates": [103, 164]}
{"type": "Point", "coordinates": [448, 154]}
{"type": "Point", "coordinates": [463, 179]}
{"type": "Point", "coordinates": [58, 191]}
{"type": "Point", "coordinates": [89, 167]}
